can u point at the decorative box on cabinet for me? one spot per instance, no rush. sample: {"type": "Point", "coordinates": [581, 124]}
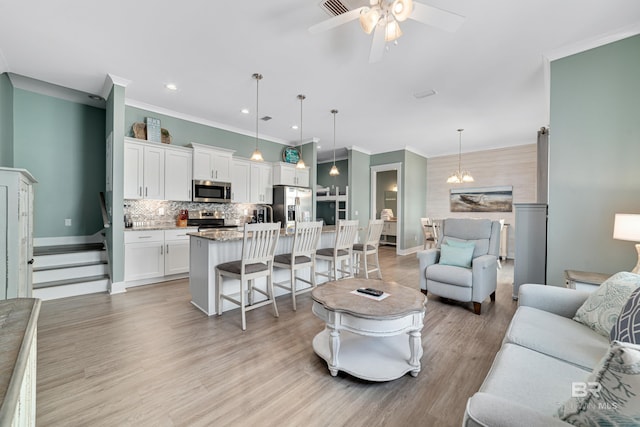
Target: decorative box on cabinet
{"type": "Point", "coordinates": [16, 233]}
{"type": "Point", "coordinates": [211, 163]}
{"type": "Point", "coordinates": [289, 174]}
{"type": "Point", "coordinates": [530, 263]}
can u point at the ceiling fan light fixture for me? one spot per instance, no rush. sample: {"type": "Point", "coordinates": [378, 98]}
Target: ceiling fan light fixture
{"type": "Point", "coordinates": [402, 9]}
{"type": "Point", "coordinates": [369, 18]}
{"type": "Point", "coordinates": [392, 30]}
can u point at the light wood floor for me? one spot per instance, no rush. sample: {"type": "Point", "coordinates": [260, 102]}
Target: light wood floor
{"type": "Point", "coordinates": [149, 358]}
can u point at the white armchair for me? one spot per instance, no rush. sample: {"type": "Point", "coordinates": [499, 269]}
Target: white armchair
{"type": "Point", "coordinates": [467, 284]}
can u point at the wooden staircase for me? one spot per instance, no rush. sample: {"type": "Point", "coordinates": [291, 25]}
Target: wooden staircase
{"type": "Point", "coordinates": [68, 270]}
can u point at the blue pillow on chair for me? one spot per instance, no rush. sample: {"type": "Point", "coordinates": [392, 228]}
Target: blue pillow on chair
{"type": "Point", "coordinates": [456, 253]}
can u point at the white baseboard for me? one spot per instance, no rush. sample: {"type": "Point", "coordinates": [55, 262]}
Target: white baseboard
{"type": "Point", "coordinates": [117, 288]}
{"type": "Point", "coordinates": [409, 251]}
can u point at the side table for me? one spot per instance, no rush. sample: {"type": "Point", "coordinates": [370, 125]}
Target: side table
{"type": "Point", "coordinates": [575, 279]}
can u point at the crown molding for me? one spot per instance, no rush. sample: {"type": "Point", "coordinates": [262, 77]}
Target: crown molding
{"type": "Point", "coordinates": [416, 151]}
{"type": "Point", "coordinates": [360, 149]}
{"type": "Point", "coordinates": [160, 110]}
{"type": "Point", "coordinates": [111, 80]}
{"type": "Point", "coordinates": [53, 90]}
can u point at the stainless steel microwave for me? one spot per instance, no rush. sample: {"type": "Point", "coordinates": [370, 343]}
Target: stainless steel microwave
{"type": "Point", "coordinates": [211, 192]}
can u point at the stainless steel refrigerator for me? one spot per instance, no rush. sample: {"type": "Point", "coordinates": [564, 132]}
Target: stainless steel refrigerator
{"type": "Point", "coordinates": [291, 204]}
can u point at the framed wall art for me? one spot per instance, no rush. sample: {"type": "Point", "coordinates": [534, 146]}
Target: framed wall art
{"type": "Point", "coordinates": [484, 199]}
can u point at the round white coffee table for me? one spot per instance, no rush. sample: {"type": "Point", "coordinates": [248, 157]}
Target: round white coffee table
{"type": "Point", "coordinates": [372, 339]}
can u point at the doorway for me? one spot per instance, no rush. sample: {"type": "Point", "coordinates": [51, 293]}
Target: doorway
{"type": "Point", "coordinates": [386, 202]}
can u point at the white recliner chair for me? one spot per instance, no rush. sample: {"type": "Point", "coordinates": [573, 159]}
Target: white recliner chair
{"type": "Point", "coordinates": [468, 284]}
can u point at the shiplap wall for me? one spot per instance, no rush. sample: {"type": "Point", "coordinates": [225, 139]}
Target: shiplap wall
{"type": "Point", "coordinates": [515, 166]}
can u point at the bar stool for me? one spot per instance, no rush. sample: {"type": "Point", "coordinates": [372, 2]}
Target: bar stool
{"type": "Point", "coordinates": [303, 255]}
{"type": "Point", "coordinates": [342, 250]}
{"type": "Point", "coordinates": [258, 248]}
{"type": "Point", "coordinates": [369, 247]}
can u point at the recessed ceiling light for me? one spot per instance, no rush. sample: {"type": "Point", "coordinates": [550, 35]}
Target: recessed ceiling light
{"type": "Point", "coordinates": [171, 86]}
{"type": "Point", "coordinates": [294, 127]}
{"type": "Point", "coordinates": [245, 111]}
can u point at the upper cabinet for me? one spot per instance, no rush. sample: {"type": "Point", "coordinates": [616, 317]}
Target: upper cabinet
{"type": "Point", "coordinates": [156, 171]}
{"type": "Point", "coordinates": [288, 174]}
{"type": "Point", "coordinates": [241, 181]}
{"type": "Point", "coordinates": [178, 164]}
{"type": "Point", "coordinates": [143, 171]}
{"type": "Point", "coordinates": [211, 164]}
{"type": "Point", "coordinates": [261, 186]}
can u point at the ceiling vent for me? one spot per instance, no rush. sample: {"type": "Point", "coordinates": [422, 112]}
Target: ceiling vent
{"type": "Point", "coordinates": [338, 7]}
{"type": "Point", "coordinates": [266, 118]}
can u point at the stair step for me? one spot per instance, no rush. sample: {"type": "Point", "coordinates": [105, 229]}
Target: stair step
{"type": "Point", "coordinates": [69, 258]}
{"type": "Point", "coordinates": [62, 249]}
{"type": "Point", "coordinates": [63, 266]}
{"type": "Point", "coordinates": [69, 281]}
{"type": "Point", "coordinates": [71, 287]}
{"type": "Point", "coordinates": [69, 271]}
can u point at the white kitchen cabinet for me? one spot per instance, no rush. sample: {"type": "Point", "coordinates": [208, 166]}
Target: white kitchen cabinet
{"type": "Point", "coordinates": [155, 254]}
{"type": "Point", "coordinates": [288, 174]}
{"type": "Point", "coordinates": [241, 181]}
{"type": "Point", "coordinates": [178, 164]}
{"type": "Point", "coordinates": [143, 254]}
{"type": "Point", "coordinates": [211, 164]}
{"type": "Point", "coordinates": [143, 171]}
{"type": "Point", "coordinates": [16, 233]}
{"type": "Point", "coordinates": [261, 184]}
{"type": "Point", "coordinates": [176, 251]}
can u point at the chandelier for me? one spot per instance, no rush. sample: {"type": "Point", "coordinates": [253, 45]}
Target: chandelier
{"type": "Point", "coordinates": [460, 176]}
{"type": "Point", "coordinates": [387, 13]}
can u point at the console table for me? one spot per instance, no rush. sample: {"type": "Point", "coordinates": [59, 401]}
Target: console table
{"type": "Point", "coordinates": [376, 340]}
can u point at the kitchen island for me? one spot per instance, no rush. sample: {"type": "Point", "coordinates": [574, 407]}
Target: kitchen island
{"type": "Point", "coordinates": [213, 247]}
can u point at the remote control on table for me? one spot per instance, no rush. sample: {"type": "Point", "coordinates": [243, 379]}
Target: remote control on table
{"type": "Point", "coordinates": [370, 291]}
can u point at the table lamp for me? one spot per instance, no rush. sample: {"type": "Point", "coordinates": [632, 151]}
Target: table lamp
{"type": "Point", "coordinates": [627, 227]}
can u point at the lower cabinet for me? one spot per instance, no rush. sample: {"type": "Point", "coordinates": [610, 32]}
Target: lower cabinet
{"type": "Point", "coordinates": [155, 253]}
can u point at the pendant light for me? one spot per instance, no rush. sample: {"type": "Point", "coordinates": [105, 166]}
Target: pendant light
{"type": "Point", "coordinates": [460, 176]}
{"type": "Point", "coordinates": [257, 155]}
{"type": "Point", "coordinates": [334, 170]}
{"type": "Point", "coordinates": [300, 164]}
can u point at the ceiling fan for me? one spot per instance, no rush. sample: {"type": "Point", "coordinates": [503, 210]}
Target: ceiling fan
{"type": "Point", "coordinates": [382, 17]}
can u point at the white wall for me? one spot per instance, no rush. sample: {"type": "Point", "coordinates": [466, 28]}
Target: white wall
{"type": "Point", "coordinates": [514, 166]}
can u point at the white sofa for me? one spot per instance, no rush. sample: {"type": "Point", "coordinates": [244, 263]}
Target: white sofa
{"type": "Point", "coordinates": [543, 352]}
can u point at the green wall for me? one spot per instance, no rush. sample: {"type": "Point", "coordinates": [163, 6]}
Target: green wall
{"type": "Point", "coordinates": [594, 148]}
{"type": "Point", "coordinates": [61, 143]}
{"type": "Point", "coordinates": [359, 186]}
{"type": "Point", "coordinates": [6, 121]}
{"type": "Point", "coordinates": [183, 132]}
{"type": "Point", "coordinates": [415, 198]}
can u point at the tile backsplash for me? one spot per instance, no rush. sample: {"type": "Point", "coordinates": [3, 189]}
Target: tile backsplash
{"type": "Point", "coordinates": [146, 213]}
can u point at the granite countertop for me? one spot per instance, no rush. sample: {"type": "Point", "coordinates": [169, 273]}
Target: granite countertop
{"type": "Point", "coordinates": [159, 227]}
{"type": "Point", "coordinates": [221, 235]}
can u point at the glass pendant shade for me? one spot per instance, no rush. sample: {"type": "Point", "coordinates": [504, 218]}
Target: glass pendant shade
{"type": "Point", "coordinates": [334, 169]}
{"type": "Point", "coordinates": [392, 30]}
{"type": "Point", "coordinates": [300, 164]}
{"type": "Point", "coordinates": [257, 155]}
{"type": "Point", "coordinates": [369, 18]}
{"type": "Point", "coordinates": [401, 9]}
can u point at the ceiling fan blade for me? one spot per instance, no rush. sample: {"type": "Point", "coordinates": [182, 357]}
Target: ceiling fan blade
{"type": "Point", "coordinates": [377, 45]}
{"type": "Point", "coordinates": [439, 18]}
{"type": "Point", "coordinates": [335, 21]}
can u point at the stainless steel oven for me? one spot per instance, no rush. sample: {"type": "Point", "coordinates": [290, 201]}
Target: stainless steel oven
{"type": "Point", "coordinates": [211, 192]}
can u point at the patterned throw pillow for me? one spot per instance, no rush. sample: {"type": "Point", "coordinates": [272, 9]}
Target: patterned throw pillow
{"type": "Point", "coordinates": [627, 328]}
{"type": "Point", "coordinates": [611, 394]}
{"type": "Point", "coordinates": [602, 308]}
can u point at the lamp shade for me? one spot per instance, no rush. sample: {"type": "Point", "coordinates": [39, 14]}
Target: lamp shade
{"type": "Point", "coordinates": [369, 19]}
{"type": "Point", "coordinates": [627, 227]}
{"type": "Point", "coordinates": [402, 9]}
